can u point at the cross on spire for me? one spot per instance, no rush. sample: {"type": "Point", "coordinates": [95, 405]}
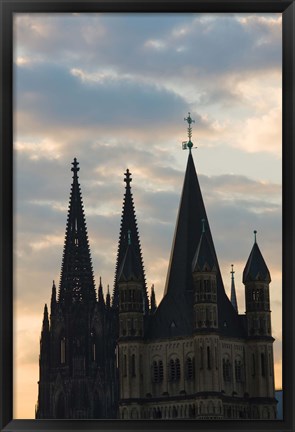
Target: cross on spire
{"type": "Point", "coordinates": [232, 271]}
{"type": "Point", "coordinates": [127, 178]}
{"type": "Point", "coordinates": [75, 167]}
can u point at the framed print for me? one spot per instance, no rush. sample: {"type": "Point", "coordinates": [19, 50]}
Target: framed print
{"type": "Point", "coordinates": [147, 234]}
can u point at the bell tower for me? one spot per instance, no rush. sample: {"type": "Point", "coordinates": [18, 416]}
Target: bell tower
{"type": "Point", "coordinates": [256, 278]}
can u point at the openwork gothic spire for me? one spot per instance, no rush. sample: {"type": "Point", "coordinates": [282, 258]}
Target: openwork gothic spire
{"type": "Point", "coordinates": [233, 297]}
{"type": "Point", "coordinates": [128, 229]}
{"type": "Point", "coordinates": [77, 281]}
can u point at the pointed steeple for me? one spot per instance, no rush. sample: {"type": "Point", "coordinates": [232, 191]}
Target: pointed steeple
{"type": "Point", "coordinates": [187, 234]}
{"type": "Point", "coordinates": [256, 269]}
{"type": "Point", "coordinates": [130, 268]}
{"type": "Point", "coordinates": [128, 223]}
{"type": "Point", "coordinates": [108, 298]}
{"type": "Point", "coordinates": [53, 297]}
{"type": "Point", "coordinates": [176, 305]}
{"type": "Point", "coordinates": [204, 259]}
{"type": "Point", "coordinates": [77, 281]}
{"type": "Point", "coordinates": [100, 293]}
{"type": "Point", "coordinates": [233, 297]}
{"type": "Point", "coordinates": [44, 341]}
{"type": "Point", "coordinates": [153, 300]}
{"type": "Point", "coordinates": [45, 324]}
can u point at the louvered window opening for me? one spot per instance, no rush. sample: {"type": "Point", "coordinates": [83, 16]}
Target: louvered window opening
{"type": "Point", "coordinates": [157, 371]}
{"type": "Point", "coordinates": [190, 368]}
{"type": "Point", "coordinates": [174, 370]}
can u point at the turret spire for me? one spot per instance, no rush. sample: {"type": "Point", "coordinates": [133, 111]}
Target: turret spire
{"type": "Point", "coordinates": [256, 269]}
{"type": "Point", "coordinates": [77, 281]}
{"type": "Point", "coordinates": [233, 297]}
{"type": "Point", "coordinates": [108, 298]}
{"type": "Point", "coordinates": [45, 325]}
{"type": "Point", "coordinates": [129, 236]}
{"type": "Point", "coordinates": [100, 293]}
{"type": "Point", "coordinates": [153, 300]}
{"type": "Point", "coordinates": [53, 297]}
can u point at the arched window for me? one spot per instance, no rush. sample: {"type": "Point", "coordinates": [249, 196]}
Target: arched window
{"type": "Point", "coordinates": [174, 370]}
{"type": "Point", "coordinates": [172, 373]}
{"type": "Point", "coordinates": [157, 371]}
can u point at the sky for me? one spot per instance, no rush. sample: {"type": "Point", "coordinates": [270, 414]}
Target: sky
{"type": "Point", "coordinates": [113, 90]}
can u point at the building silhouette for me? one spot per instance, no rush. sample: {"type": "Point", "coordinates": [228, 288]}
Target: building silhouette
{"type": "Point", "coordinates": [192, 357]}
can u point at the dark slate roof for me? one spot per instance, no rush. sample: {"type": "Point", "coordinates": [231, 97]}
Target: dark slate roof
{"type": "Point", "coordinates": [204, 259]}
{"type": "Point", "coordinates": [174, 313]}
{"type": "Point", "coordinates": [256, 269]}
{"type": "Point", "coordinates": [77, 280]}
{"type": "Point", "coordinates": [128, 223]}
{"type": "Point", "coordinates": [130, 268]}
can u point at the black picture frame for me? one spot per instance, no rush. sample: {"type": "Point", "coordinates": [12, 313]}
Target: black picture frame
{"type": "Point", "coordinates": [7, 9]}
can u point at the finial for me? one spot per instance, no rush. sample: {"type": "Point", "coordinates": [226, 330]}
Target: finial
{"type": "Point", "coordinates": [255, 232]}
{"type": "Point", "coordinates": [127, 178]}
{"type": "Point", "coordinates": [75, 167]}
{"type": "Point", "coordinates": [203, 225]}
{"type": "Point", "coordinates": [188, 144]}
{"type": "Point", "coordinates": [232, 271]}
{"type": "Point", "coordinates": [129, 237]}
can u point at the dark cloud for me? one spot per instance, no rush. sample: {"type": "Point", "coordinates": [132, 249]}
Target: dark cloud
{"type": "Point", "coordinates": [58, 99]}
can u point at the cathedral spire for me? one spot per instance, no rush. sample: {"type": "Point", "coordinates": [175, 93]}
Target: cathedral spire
{"type": "Point", "coordinates": [108, 298]}
{"type": "Point", "coordinates": [128, 230]}
{"type": "Point", "coordinates": [100, 293]}
{"type": "Point", "coordinates": [153, 300]}
{"type": "Point", "coordinates": [77, 281]}
{"type": "Point", "coordinates": [45, 325]}
{"type": "Point", "coordinates": [233, 297]}
{"type": "Point", "coordinates": [53, 297]}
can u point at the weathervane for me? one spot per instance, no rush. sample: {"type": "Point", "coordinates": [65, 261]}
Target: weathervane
{"type": "Point", "coordinates": [188, 144]}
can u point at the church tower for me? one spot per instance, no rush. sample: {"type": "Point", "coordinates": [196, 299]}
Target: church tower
{"type": "Point", "coordinates": [133, 310]}
{"type": "Point", "coordinates": [256, 278]}
{"type": "Point", "coordinates": [77, 367]}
